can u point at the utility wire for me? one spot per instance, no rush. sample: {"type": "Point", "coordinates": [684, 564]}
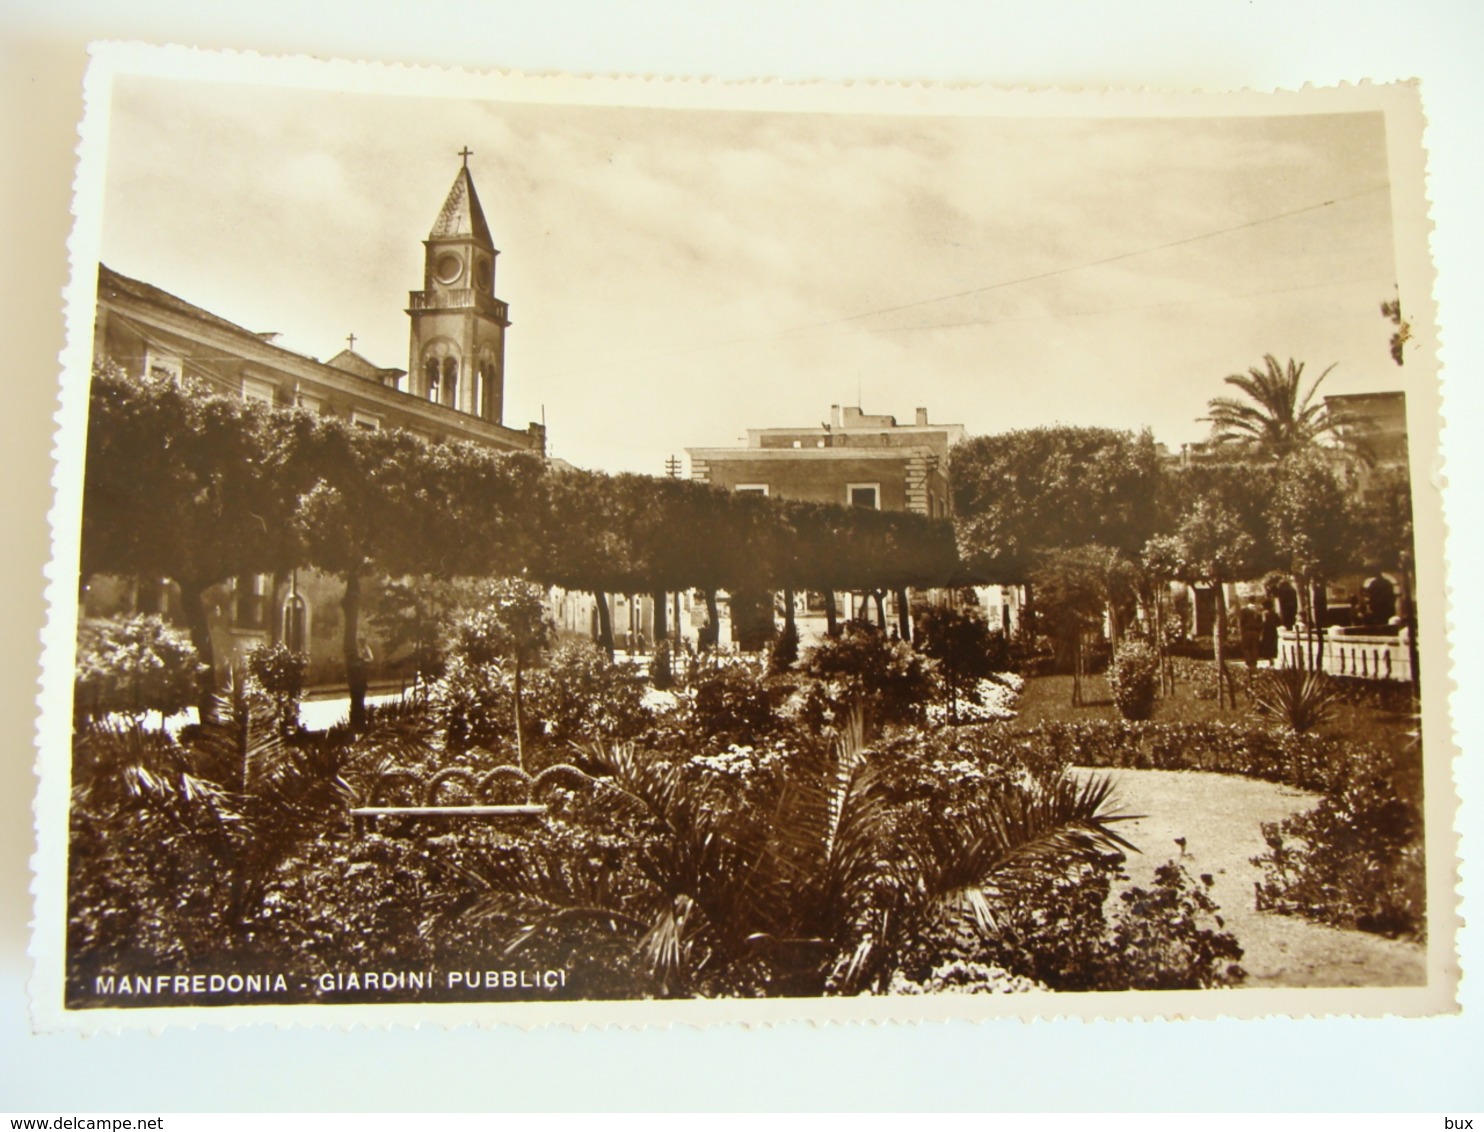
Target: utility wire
{"type": "Point", "coordinates": [1092, 263]}
{"type": "Point", "coordinates": [1052, 273]}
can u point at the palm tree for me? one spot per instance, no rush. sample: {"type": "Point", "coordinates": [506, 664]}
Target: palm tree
{"type": "Point", "coordinates": [1277, 417]}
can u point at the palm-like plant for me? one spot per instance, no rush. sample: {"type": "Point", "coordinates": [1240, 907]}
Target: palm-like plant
{"type": "Point", "coordinates": [176, 840]}
{"type": "Point", "coordinates": [1277, 416]}
{"type": "Point", "coordinates": [823, 892]}
{"type": "Point", "coordinates": [1300, 699]}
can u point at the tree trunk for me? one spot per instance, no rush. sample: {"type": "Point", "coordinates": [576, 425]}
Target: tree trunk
{"type": "Point", "coordinates": [790, 623]}
{"type": "Point", "coordinates": [520, 739]}
{"type": "Point", "coordinates": [712, 634]}
{"type": "Point", "coordinates": [661, 623]}
{"type": "Point", "coordinates": [1303, 637]}
{"type": "Point", "coordinates": [356, 675]}
{"type": "Point", "coordinates": [1320, 606]}
{"type": "Point", "coordinates": [1218, 639]}
{"type": "Point", "coordinates": [1076, 642]}
{"type": "Point", "coordinates": [831, 619]}
{"type": "Point", "coordinates": [605, 623]}
{"type": "Point", "coordinates": [880, 610]}
{"type": "Point", "coordinates": [1166, 669]}
{"type": "Point", "coordinates": [193, 598]}
{"type": "Point", "coordinates": [1410, 621]}
{"type": "Point", "coordinates": [1028, 610]}
{"type": "Point", "coordinates": [904, 615]}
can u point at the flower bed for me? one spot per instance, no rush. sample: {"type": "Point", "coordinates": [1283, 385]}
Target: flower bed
{"type": "Point", "coordinates": [1308, 762]}
{"type": "Point", "coordinates": [993, 698]}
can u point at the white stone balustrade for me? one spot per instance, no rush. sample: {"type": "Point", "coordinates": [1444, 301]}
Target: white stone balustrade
{"type": "Point", "coordinates": [1371, 657]}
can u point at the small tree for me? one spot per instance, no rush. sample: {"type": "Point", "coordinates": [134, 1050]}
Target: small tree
{"type": "Point", "coordinates": [1386, 544]}
{"type": "Point", "coordinates": [370, 507]}
{"type": "Point", "coordinates": [132, 665]}
{"type": "Point", "coordinates": [1071, 594]}
{"type": "Point", "coordinates": [279, 671]}
{"type": "Point", "coordinates": [184, 484]}
{"type": "Point", "coordinates": [1314, 527]}
{"type": "Point", "coordinates": [964, 647]}
{"type": "Point", "coordinates": [1210, 546]}
{"type": "Point", "coordinates": [1020, 496]}
{"type": "Point", "coordinates": [513, 626]}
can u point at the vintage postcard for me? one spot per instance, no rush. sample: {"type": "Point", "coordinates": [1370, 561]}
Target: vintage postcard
{"type": "Point", "coordinates": [625, 552]}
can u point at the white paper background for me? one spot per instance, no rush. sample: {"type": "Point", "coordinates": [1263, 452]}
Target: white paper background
{"type": "Point", "coordinates": [1280, 1064]}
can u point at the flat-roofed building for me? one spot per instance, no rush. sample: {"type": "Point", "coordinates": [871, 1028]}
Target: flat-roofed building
{"type": "Point", "coordinates": [857, 459]}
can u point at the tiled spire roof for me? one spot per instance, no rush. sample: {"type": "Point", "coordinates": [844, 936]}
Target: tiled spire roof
{"type": "Point", "coordinates": [461, 214]}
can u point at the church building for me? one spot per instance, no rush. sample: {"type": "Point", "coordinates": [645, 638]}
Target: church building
{"type": "Point", "coordinates": [454, 386]}
{"type": "Point", "coordinates": [452, 390]}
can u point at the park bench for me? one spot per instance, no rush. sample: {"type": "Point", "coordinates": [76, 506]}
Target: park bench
{"type": "Point", "coordinates": [474, 782]}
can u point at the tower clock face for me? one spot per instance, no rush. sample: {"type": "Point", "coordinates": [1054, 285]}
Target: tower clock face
{"type": "Point", "coordinates": [448, 268]}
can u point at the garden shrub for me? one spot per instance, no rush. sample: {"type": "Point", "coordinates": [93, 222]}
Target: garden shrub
{"type": "Point", "coordinates": [1381, 695]}
{"type": "Point", "coordinates": [1309, 762]}
{"type": "Point", "coordinates": [133, 665]}
{"type": "Point", "coordinates": [472, 703]}
{"type": "Point", "coordinates": [785, 651]}
{"type": "Point", "coordinates": [1192, 648]}
{"type": "Point", "coordinates": [661, 673]}
{"type": "Point", "coordinates": [279, 671]}
{"type": "Point", "coordinates": [1356, 859]}
{"type": "Point", "coordinates": [149, 839]}
{"type": "Point", "coordinates": [1170, 936]}
{"type": "Point", "coordinates": [731, 700]}
{"type": "Point", "coordinates": [1030, 653]}
{"type": "Point", "coordinates": [752, 619]}
{"type": "Point", "coordinates": [1134, 677]}
{"type": "Point", "coordinates": [1053, 928]}
{"type": "Point", "coordinates": [1200, 675]}
{"type": "Point", "coordinates": [993, 699]}
{"type": "Point", "coordinates": [964, 977]}
{"type": "Point", "coordinates": [941, 772]}
{"type": "Point", "coordinates": [582, 696]}
{"type": "Point", "coordinates": [888, 676]}
{"type": "Point", "coordinates": [966, 652]}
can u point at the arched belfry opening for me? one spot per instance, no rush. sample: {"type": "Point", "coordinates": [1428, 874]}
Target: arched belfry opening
{"type": "Point", "coordinates": [458, 325]}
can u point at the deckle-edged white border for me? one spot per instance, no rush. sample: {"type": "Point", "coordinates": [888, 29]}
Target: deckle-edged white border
{"type": "Point", "coordinates": [1412, 228]}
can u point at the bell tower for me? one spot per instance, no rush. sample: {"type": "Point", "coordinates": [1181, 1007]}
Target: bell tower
{"type": "Point", "coordinates": [457, 354]}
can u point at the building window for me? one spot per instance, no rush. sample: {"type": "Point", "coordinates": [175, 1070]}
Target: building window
{"type": "Point", "coordinates": [365, 421]}
{"type": "Point", "coordinates": [753, 488]}
{"type": "Point", "coordinates": [250, 592]}
{"type": "Point", "coordinates": [450, 382]}
{"type": "Point", "coordinates": [489, 400]}
{"type": "Point", "coordinates": [864, 495]}
{"type": "Point", "coordinates": [310, 404]}
{"type": "Point", "coordinates": [158, 363]}
{"type": "Point", "coordinates": [296, 623]}
{"type": "Point", "coordinates": [152, 596]}
{"type": "Point", "coordinates": [256, 389]}
{"type": "Point", "coordinates": [430, 374]}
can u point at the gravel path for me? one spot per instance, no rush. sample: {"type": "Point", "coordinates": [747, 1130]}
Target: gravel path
{"type": "Point", "coordinates": [1220, 818]}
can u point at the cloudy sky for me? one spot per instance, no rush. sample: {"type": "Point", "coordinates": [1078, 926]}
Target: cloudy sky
{"type": "Point", "coordinates": [676, 277]}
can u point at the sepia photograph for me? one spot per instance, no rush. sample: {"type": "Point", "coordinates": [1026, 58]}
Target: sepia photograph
{"type": "Point", "coordinates": [543, 545]}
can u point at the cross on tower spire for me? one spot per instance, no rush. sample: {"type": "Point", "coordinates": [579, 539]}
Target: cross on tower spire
{"type": "Point", "coordinates": [351, 340]}
{"type": "Point", "coordinates": [466, 153]}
